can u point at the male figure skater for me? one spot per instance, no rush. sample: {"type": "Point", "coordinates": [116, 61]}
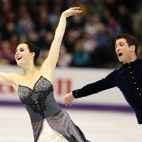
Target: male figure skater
{"type": "Point", "coordinates": [128, 78]}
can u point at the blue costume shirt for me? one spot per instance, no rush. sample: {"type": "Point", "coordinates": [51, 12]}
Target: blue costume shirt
{"type": "Point", "coordinates": [128, 79]}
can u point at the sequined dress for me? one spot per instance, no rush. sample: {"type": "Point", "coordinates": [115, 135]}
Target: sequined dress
{"type": "Point", "coordinates": [49, 122]}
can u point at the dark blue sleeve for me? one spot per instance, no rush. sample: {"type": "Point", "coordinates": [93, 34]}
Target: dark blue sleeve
{"type": "Point", "coordinates": [105, 83]}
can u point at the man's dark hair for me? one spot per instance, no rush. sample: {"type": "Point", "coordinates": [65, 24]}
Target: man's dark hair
{"type": "Point", "coordinates": [33, 48]}
{"type": "Point", "coordinates": [130, 39]}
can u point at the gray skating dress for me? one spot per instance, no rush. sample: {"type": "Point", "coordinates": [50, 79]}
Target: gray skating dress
{"type": "Point", "coordinates": [44, 110]}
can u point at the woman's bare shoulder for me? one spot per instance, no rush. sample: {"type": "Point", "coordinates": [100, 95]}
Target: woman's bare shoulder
{"type": "Point", "coordinates": [14, 77]}
{"type": "Point", "coordinates": [14, 74]}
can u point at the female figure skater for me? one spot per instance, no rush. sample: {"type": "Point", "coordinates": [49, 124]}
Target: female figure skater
{"type": "Point", "coordinates": [35, 90]}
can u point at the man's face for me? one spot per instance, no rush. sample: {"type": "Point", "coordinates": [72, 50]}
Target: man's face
{"type": "Point", "coordinates": [123, 51]}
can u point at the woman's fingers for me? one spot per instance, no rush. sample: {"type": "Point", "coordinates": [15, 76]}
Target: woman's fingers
{"type": "Point", "coordinates": [72, 11]}
{"type": "Point", "coordinates": [76, 11]}
{"type": "Point", "coordinates": [75, 8]}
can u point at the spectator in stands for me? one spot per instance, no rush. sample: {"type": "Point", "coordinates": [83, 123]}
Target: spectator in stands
{"type": "Point", "coordinates": [45, 42]}
{"type": "Point", "coordinates": [65, 58]}
{"type": "Point", "coordinates": [6, 56]}
{"type": "Point", "coordinates": [76, 23]}
{"type": "Point", "coordinates": [96, 7]}
{"type": "Point", "coordinates": [101, 55]}
{"type": "Point", "coordinates": [89, 44]}
{"type": "Point", "coordinates": [70, 39]}
{"type": "Point", "coordinates": [8, 30]}
{"type": "Point", "coordinates": [42, 24]}
{"type": "Point", "coordinates": [93, 24]}
{"type": "Point", "coordinates": [80, 57]}
{"type": "Point", "coordinates": [105, 17]}
{"type": "Point", "coordinates": [14, 42]}
{"type": "Point", "coordinates": [23, 24]}
{"type": "Point", "coordinates": [112, 27]}
{"type": "Point", "coordinates": [54, 16]}
{"type": "Point", "coordinates": [125, 19]}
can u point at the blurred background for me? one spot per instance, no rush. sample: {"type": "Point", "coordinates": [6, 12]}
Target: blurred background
{"type": "Point", "coordinates": [89, 37]}
{"type": "Point", "coordinates": [87, 54]}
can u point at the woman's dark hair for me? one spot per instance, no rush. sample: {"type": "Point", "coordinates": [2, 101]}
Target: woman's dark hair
{"type": "Point", "coordinates": [130, 39]}
{"type": "Point", "coordinates": [32, 48]}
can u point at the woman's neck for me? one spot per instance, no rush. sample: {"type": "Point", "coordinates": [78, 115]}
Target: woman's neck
{"type": "Point", "coordinates": [30, 71]}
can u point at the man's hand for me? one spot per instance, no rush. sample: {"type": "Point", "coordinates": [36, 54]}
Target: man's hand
{"type": "Point", "coordinates": [68, 100]}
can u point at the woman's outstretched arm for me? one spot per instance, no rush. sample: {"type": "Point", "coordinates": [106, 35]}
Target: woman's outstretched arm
{"type": "Point", "coordinates": [8, 78]}
{"type": "Point", "coordinates": [52, 58]}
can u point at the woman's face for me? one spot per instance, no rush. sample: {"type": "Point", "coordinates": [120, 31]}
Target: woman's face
{"type": "Point", "coordinates": [22, 54]}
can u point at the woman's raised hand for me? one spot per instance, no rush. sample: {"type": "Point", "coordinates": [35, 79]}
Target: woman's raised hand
{"type": "Point", "coordinates": [72, 11]}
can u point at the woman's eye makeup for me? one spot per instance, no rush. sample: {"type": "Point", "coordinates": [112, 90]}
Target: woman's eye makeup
{"type": "Point", "coordinates": [21, 50]}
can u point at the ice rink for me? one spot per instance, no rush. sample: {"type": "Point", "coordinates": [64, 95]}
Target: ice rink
{"type": "Point", "coordinates": [98, 126]}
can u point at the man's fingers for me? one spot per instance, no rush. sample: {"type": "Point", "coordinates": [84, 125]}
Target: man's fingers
{"type": "Point", "coordinates": [67, 102]}
{"type": "Point", "coordinates": [63, 102]}
{"type": "Point", "coordinates": [71, 103]}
